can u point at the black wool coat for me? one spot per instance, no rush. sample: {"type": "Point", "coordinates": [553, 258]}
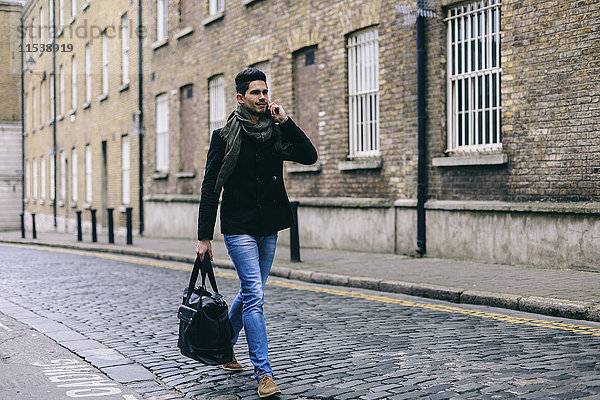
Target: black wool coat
{"type": "Point", "coordinates": [254, 198]}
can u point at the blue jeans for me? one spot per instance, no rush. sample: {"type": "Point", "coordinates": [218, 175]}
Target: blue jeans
{"type": "Point", "coordinates": [252, 257]}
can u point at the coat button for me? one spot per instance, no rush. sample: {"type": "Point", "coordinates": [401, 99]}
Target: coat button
{"type": "Point", "coordinates": [274, 178]}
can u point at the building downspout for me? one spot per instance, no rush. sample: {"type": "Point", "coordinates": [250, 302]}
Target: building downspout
{"type": "Point", "coordinates": [421, 132]}
{"type": "Point", "coordinates": [54, 106]}
{"type": "Point", "coordinates": [22, 131]}
{"type": "Point", "coordinates": [140, 117]}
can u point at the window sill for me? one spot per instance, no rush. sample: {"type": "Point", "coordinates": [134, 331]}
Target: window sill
{"type": "Point", "coordinates": [471, 160]}
{"type": "Point", "coordinates": [86, 5]}
{"type": "Point", "coordinates": [60, 117]}
{"type": "Point", "coordinates": [42, 202]}
{"type": "Point", "coordinates": [60, 203]}
{"type": "Point", "coordinates": [102, 97]}
{"type": "Point", "coordinates": [50, 202]}
{"type": "Point", "coordinates": [60, 32]}
{"type": "Point", "coordinates": [41, 127]}
{"type": "Point", "coordinates": [28, 133]}
{"type": "Point", "coordinates": [300, 168]}
{"type": "Point", "coordinates": [185, 175]}
{"type": "Point", "coordinates": [124, 86]}
{"type": "Point", "coordinates": [249, 2]}
{"type": "Point", "coordinates": [72, 111]}
{"type": "Point", "coordinates": [49, 123]}
{"type": "Point", "coordinates": [360, 163]}
{"type": "Point", "coordinates": [188, 30]}
{"type": "Point", "coordinates": [213, 18]}
{"type": "Point", "coordinates": [86, 105]}
{"type": "Point", "coordinates": [33, 201]}
{"type": "Point", "coordinates": [73, 204]}
{"type": "Point", "coordinates": [71, 20]}
{"type": "Point", "coordinates": [160, 175]}
{"type": "Point", "coordinates": [160, 43]}
{"type": "Point", "coordinates": [87, 206]}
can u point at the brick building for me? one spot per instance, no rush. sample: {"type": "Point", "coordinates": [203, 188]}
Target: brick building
{"type": "Point", "coordinates": [10, 117]}
{"type": "Point", "coordinates": [512, 104]}
{"type": "Point", "coordinates": [86, 97]}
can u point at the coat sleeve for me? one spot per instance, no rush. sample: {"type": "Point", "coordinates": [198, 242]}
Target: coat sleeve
{"type": "Point", "coordinates": [303, 151]}
{"type": "Point", "coordinates": [209, 200]}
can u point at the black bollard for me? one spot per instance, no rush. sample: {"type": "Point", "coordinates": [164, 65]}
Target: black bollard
{"type": "Point", "coordinates": [22, 226]}
{"type": "Point", "coordinates": [79, 234]}
{"type": "Point", "coordinates": [111, 225]}
{"type": "Point", "coordinates": [94, 234]}
{"type": "Point", "coordinates": [33, 223]}
{"type": "Point", "coordinates": [294, 236]}
{"type": "Point", "coordinates": [129, 224]}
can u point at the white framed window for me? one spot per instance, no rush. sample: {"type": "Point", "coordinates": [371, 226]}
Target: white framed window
{"type": "Point", "coordinates": [61, 79]}
{"type": "Point", "coordinates": [42, 27]}
{"type": "Point", "coordinates": [51, 89]}
{"type": "Point", "coordinates": [73, 8]}
{"type": "Point", "coordinates": [27, 179]}
{"type": "Point", "coordinates": [124, 49]}
{"type": "Point", "coordinates": [33, 108]}
{"type": "Point", "coordinates": [51, 19]}
{"type": "Point", "coordinates": [35, 178]}
{"type": "Point", "coordinates": [61, 14]}
{"type": "Point", "coordinates": [218, 113]}
{"type": "Point", "coordinates": [162, 133]}
{"type": "Point", "coordinates": [265, 66]}
{"type": "Point", "coordinates": [42, 102]}
{"type": "Point", "coordinates": [125, 167]}
{"type": "Point", "coordinates": [88, 174]}
{"type": "Point", "coordinates": [63, 176]}
{"type": "Point", "coordinates": [52, 174]}
{"type": "Point", "coordinates": [42, 178]}
{"type": "Point", "coordinates": [474, 72]}
{"type": "Point", "coordinates": [73, 83]}
{"type": "Point", "coordinates": [161, 19]}
{"type": "Point", "coordinates": [74, 183]}
{"type": "Point", "coordinates": [363, 93]}
{"type": "Point", "coordinates": [216, 6]}
{"type": "Point", "coordinates": [104, 63]}
{"type": "Point", "coordinates": [88, 73]}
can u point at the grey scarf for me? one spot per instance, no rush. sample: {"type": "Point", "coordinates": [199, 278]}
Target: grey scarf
{"type": "Point", "coordinates": [238, 123]}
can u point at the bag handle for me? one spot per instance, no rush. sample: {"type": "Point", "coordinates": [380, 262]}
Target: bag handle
{"type": "Point", "coordinates": [207, 269]}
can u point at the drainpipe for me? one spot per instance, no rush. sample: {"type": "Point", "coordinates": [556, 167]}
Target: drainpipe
{"type": "Point", "coordinates": [140, 118]}
{"type": "Point", "coordinates": [54, 105]}
{"type": "Point", "coordinates": [422, 135]}
{"type": "Point", "coordinates": [22, 129]}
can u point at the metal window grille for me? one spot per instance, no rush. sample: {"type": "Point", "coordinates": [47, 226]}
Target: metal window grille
{"type": "Point", "coordinates": [88, 73]}
{"type": "Point", "coordinates": [42, 178]}
{"type": "Point", "coordinates": [104, 63]}
{"type": "Point", "coordinates": [52, 172]}
{"type": "Point", "coordinates": [216, 6]}
{"type": "Point", "coordinates": [125, 166]}
{"type": "Point", "coordinates": [35, 178]}
{"type": "Point", "coordinates": [363, 93]}
{"type": "Point", "coordinates": [162, 133]}
{"type": "Point", "coordinates": [474, 71]}
{"type": "Point", "coordinates": [63, 176]}
{"type": "Point", "coordinates": [125, 49]}
{"type": "Point", "coordinates": [218, 114]}
{"type": "Point", "coordinates": [73, 83]}
{"type": "Point", "coordinates": [88, 174]}
{"type": "Point", "coordinates": [161, 19]}
{"type": "Point", "coordinates": [74, 182]}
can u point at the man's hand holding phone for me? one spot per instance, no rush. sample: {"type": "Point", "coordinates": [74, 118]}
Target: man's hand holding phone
{"type": "Point", "coordinates": [277, 112]}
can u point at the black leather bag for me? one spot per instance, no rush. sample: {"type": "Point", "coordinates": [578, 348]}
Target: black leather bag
{"type": "Point", "coordinates": [205, 332]}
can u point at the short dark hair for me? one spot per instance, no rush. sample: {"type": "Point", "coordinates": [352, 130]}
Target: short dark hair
{"type": "Point", "coordinates": [243, 79]}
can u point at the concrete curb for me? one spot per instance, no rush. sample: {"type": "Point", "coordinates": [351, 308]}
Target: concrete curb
{"type": "Point", "coordinates": [532, 304]}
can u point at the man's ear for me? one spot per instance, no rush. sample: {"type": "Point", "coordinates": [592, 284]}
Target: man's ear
{"type": "Point", "coordinates": [240, 98]}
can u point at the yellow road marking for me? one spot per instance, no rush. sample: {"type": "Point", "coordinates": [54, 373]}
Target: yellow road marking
{"type": "Point", "coordinates": [580, 329]}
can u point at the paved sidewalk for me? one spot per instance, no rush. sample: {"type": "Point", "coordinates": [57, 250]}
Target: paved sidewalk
{"type": "Point", "coordinates": [565, 293]}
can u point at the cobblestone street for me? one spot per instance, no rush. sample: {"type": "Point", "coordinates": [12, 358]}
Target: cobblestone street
{"type": "Point", "coordinates": [325, 343]}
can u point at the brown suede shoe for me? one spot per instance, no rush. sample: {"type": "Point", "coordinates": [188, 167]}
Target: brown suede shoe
{"type": "Point", "coordinates": [266, 387]}
{"type": "Point", "coordinates": [233, 365]}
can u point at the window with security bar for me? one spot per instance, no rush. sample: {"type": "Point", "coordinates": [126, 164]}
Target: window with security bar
{"type": "Point", "coordinates": [474, 74]}
{"type": "Point", "coordinates": [363, 93]}
{"type": "Point", "coordinates": [216, 92]}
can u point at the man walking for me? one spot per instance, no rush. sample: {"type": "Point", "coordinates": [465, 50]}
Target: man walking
{"type": "Point", "coordinates": [245, 159]}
